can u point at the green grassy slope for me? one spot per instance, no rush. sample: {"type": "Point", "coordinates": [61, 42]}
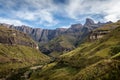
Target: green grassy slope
{"type": "Point", "coordinates": [98, 49]}
{"type": "Point", "coordinates": [96, 60]}
{"type": "Point", "coordinates": [17, 56]}
{"type": "Point", "coordinates": [61, 44]}
{"type": "Point", "coordinates": [103, 70]}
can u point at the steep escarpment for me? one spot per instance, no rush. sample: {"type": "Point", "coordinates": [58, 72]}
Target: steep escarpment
{"type": "Point", "coordinates": [38, 34]}
{"type": "Point", "coordinates": [13, 37]}
{"type": "Point", "coordinates": [72, 36]}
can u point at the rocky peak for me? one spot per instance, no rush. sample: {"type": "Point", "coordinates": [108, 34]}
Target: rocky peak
{"type": "Point", "coordinates": [76, 26]}
{"type": "Point", "coordinates": [109, 22]}
{"type": "Point", "coordinates": [61, 29]}
{"type": "Point", "coordinates": [89, 22]}
{"type": "Point", "coordinates": [99, 22]}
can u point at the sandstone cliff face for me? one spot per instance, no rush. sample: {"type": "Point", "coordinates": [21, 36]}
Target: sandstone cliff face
{"type": "Point", "coordinates": [103, 30]}
{"type": "Point", "coordinates": [38, 34]}
{"type": "Point", "coordinates": [98, 34]}
{"type": "Point", "coordinates": [34, 33]}
{"type": "Point", "coordinates": [13, 37]}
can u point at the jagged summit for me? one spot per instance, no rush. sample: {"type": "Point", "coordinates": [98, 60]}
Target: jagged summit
{"type": "Point", "coordinates": [77, 26]}
{"type": "Point", "coordinates": [89, 22]}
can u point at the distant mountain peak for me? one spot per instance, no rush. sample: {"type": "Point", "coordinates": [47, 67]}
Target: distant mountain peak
{"type": "Point", "coordinates": [109, 22]}
{"type": "Point", "coordinates": [75, 26]}
{"type": "Point", "coordinates": [79, 24]}
{"type": "Point", "coordinates": [89, 22]}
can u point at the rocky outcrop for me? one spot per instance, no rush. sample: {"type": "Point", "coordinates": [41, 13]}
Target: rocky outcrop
{"type": "Point", "coordinates": [13, 37]}
{"type": "Point", "coordinates": [38, 34]}
{"type": "Point", "coordinates": [34, 33]}
{"type": "Point", "coordinates": [98, 34]}
{"type": "Point", "coordinates": [103, 30]}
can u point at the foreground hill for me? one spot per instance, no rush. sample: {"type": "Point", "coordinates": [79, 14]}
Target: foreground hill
{"type": "Point", "coordinates": [93, 60]}
{"type": "Point", "coordinates": [17, 51]}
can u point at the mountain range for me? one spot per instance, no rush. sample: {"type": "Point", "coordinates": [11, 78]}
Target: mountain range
{"type": "Point", "coordinates": [97, 58]}
{"type": "Point", "coordinates": [81, 52]}
{"type": "Point", "coordinates": [59, 40]}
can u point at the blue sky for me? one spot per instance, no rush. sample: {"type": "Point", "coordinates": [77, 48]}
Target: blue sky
{"type": "Point", "coordinates": [51, 14]}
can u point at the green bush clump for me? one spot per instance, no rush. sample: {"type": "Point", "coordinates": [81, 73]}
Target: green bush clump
{"type": "Point", "coordinates": [114, 50]}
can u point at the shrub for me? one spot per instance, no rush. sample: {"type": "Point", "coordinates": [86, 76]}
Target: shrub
{"type": "Point", "coordinates": [114, 50]}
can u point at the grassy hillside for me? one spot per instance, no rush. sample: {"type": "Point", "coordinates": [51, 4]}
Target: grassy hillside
{"type": "Point", "coordinates": [59, 45]}
{"type": "Point", "coordinates": [17, 55]}
{"type": "Point", "coordinates": [103, 70]}
{"type": "Point", "coordinates": [97, 60]}
{"type": "Point", "coordinates": [98, 49]}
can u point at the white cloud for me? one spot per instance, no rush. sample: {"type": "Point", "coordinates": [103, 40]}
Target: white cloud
{"type": "Point", "coordinates": [32, 10]}
{"type": "Point", "coordinates": [113, 11]}
{"type": "Point", "coordinates": [73, 7]}
{"type": "Point", "coordinates": [67, 26]}
{"type": "Point", "coordinates": [43, 11]}
{"type": "Point", "coordinates": [26, 15]}
{"type": "Point", "coordinates": [109, 8]}
{"type": "Point", "coordinates": [46, 16]}
{"type": "Point", "coordinates": [12, 21]}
